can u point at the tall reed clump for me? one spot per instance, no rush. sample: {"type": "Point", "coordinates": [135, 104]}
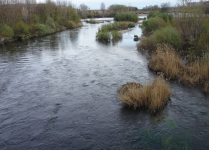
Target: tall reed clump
{"type": "Point", "coordinates": [197, 74]}
{"type": "Point", "coordinates": [6, 31]}
{"type": "Point", "coordinates": [126, 17]}
{"type": "Point", "coordinates": [167, 61]}
{"type": "Point", "coordinates": [152, 97]}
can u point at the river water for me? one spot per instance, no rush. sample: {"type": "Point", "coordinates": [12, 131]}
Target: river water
{"type": "Point", "coordinates": [60, 92]}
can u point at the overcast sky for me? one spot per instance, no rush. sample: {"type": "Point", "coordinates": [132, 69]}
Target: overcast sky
{"type": "Point", "coordinates": [95, 4]}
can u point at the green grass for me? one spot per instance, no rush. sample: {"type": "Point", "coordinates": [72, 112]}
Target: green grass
{"type": "Point", "coordinates": [70, 25]}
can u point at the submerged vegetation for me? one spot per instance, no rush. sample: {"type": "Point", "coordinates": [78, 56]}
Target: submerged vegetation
{"type": "Point", "coordinates": [152, 97]}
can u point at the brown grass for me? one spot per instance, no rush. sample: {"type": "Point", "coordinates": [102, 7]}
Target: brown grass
{"type": "Point", "coordinates": [152, 97]}
{"type": "Point", "coordinates": [147, 43]}
{"type": "Point", "coordinates": [79, 25]}
{"type": "Point", "coordinates": [168, 62]}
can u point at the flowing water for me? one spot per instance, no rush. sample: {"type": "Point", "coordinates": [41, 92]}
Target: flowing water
{"type": "Point", "coordinates": [60, 92]}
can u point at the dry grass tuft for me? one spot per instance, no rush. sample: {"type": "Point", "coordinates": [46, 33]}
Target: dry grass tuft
{"type": "Point", "coordinates": [79, 25]}
{"type": "Point", "coordinates": [168, 62]}
{"type": "Point", "coordinates": [152, 97]}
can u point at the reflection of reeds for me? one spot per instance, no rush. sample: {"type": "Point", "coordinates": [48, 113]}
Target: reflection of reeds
{"type": "Point", "coordinates": [167, 61]}
{"type": "Point", "coordinates": [152, 97]}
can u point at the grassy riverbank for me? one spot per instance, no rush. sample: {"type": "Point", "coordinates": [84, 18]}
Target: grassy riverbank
{"type": "Point", "coordinates": [26, 20]}
{"type": "Point", "coordinates": [170, 39]}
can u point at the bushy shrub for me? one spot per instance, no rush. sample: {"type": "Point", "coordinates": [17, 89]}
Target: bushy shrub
{"type": "Point", "coordinates": [170, 36]}
{"type": "Point", "coordinates": [165, 16]}
{"type": "Point", "coordinates": [103, 36]}
{"type": "Point", "coordinates": [115, 26]}
{"type": "Point", "coordinates": [62, 28]}
{"type": "Point", "coordinates": [21, 28]}
{"type": "Point", "coordinates": [57, 25]}
{"type": "Point", "coordinates": [42, 29]}
{"type": "Point", "coordinates": [50, 23]}
{"type": "Point", "coordinates": [116, 35]}
{"type": "Point", "coordinates": [131, 25]}
{"type": "Point", "coordinates": [167, 35]}
{"type": "Point", "coordinates": [49, 30]}
{"type": "Point", "coordinates": [39, 28]}
{"type": "Point", "coordinates": [126, 17]}
{"type": "Point", "coordinates": [202, 45]}
{"type": "Point", "coordinates": [152, 24]}
{"type": "Point", "coordinates": [70, 25]}
{"type": "Point", "coordinates": [6, 31]}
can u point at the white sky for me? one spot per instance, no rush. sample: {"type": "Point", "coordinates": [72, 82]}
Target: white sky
{"type": "Point", "coordinates": [95, 4]}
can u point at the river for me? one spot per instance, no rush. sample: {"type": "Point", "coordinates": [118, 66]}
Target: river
{"type": "Point", "coordinates": [60, 92]}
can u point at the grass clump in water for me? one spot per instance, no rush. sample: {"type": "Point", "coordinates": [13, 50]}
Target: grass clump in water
{"type": "Point", "coordinates": [116, 35]}
{"type": "Point", "coordinates": [131, 25]}
{"type": "Point", "coordinates": [103, 36]}
{"type": "Point", "coordinates": [152, 97]}
{"type": "Point", "coordinates": [91, 21]}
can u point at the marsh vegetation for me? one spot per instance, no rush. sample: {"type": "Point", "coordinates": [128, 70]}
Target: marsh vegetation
{"type": "Point", "coordinates": [182, 36]}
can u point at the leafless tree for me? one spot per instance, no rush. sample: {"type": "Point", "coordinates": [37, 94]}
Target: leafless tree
{"type": "Point", "coordinates": [102, 8]}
